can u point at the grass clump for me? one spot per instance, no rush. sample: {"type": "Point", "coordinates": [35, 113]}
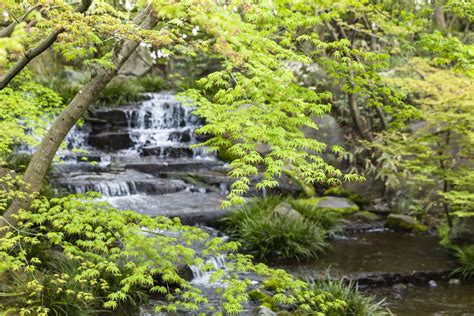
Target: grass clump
{"type": "Point", "coordinates": [465, 257]}
{"type": "Point", "coordinates": [268, 235]}
{"type": "Point", "coordinates": [358, 304]}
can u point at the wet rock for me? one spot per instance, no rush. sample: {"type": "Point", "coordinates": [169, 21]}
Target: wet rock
{"type": "Point", "coordinates": [168, 152]}
{"type": "Point", "coordinates": [285, 210]}
{"type": "Point", "coordinates": [432, 284]}
{"type": "Point", "coordinates": [180, 136]}
{"type": "Point", "coordinates": [111, 141]}
{"type": "Point", "coordinates": [455, 282]}
{"type": "Point", "coordinates": [404, 222]}
{"type": "Point", "coordinates": [462, 230]}
{"type": "Point", "coordinates": [399, 287]}
{"type": "Point", "coordinates": [115, 117]}
{"type": "Point", "coordinates": [185, 272]}
{"type": "Point", "coordinates": [264, 311]}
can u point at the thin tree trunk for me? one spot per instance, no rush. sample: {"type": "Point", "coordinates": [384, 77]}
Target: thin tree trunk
{"type": "Point", "coordinates": [354, 109]}
{"type": "Point", "coordinates": [382, 118]}
{"type": "Point", "coordinates": [37, 50]}
{"type": "Point", "coordinates": [446, 207]}
{"type": "Point", "coordinates": [439, 18]}
{"type": "Point", "coordinates": [41, 160]}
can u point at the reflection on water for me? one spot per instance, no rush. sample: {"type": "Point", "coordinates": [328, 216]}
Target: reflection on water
{"type": "Point", "coordinates": [422, 300]}
{"type": "Point", "coordinates": [377, 252]}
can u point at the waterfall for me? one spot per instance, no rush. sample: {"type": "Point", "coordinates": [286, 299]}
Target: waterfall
{"type": "Point", "coordinates": [158, 130]}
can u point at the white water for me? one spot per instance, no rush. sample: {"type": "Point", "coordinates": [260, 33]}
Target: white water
{"type": "Point", "coordinates": [160, 127]}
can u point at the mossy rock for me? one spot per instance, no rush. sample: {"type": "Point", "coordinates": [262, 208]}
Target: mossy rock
{"type": "Point", "coordinates": [340, 191]}
{"type": "Point", "coordinates": [264, 299]}
{"type": "Point", "coordinates": [366, 216]}
{"type": "Point", "coordinates": [329, 204]}
{"type": "Point", "coordinates": [404, 223]}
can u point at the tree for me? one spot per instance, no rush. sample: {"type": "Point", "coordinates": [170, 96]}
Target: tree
{"type": "Point", "coordinates": [247, 92]}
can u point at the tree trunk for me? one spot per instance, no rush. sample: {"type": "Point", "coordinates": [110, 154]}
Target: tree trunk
{"type": "Point", "coordinates": [41, 160]}
{"type": "Point", "coordinates": [439, 18]}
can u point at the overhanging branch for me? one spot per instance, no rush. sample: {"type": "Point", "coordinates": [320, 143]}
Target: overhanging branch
{"type": "Point", "coordinates": [39, 49]}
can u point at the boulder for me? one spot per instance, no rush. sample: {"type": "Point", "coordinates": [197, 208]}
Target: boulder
{"type": "Point", "coordinates": [462, 230]}
{"type": "Point", "coordinates": [285, 210]}
{"type": "Point", "coordinates": [338, 204]}
{"type": "Point", "coordinates": [404, 222]}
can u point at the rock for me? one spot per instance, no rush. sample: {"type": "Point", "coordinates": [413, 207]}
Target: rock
{"type": "Point", "coordinates": [262, 310]}
{"type": "Point", "coordinates": [404, 222]}
{"type": "Point", "coordinates": [366, 216]}
{"type": "Point", "coordinates": [455, 282]}
{"type": "Point", "coordinates": [378, 206]}
{"type": "Point", "coordinates": [185, 272]}
{"type": "Point", "coordinates": [113, 118]}
{"type": "Point", "coordinates": [170, 152]}
{"type": "Point", "coordinates": [180, 136]}
{"type": "Point", "coordinates": [370, 189]}
{"type": "Point", "coordinates": [432, 284]}
{"type": "Point", "coordinates": [462, 231]}
{"type": "Point", "coordinates": [338, 204]}
{"type": "Point", "coordinates": [138, 64]}
{"type": "Point", "coordinates": [399, 287]}
{"type": "Point", "coordinates": [328, 132]}
{"type": "Point", "coordinates": [285, 210]}
{"type": "Point", "coordinates": [111, 141]}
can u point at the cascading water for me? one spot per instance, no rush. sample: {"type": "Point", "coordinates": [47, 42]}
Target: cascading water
{"type": "Point", "coordinates": [139, 157]}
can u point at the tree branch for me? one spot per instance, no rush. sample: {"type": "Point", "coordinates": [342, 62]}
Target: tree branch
{"type": "Point", "coordinates": [33, 52]}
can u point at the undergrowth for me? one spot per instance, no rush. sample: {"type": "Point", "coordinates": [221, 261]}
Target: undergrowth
{"type": "Point", "coordinates": [76, 256]}
{"type": "Point", "coordinates": [267, 235]}
{"type": "Point", "coordinates": [358, 304]}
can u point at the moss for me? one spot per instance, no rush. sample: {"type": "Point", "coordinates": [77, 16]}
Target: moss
{"type": "Point", "coordinates": [343, 192]}
{"type": "Point", "coordinates": [365, 216]}
{"type": "Point", "coordinates": [404, 222]}
{"type": "Point", "coordinates": [314, 203]}
{"type": "Point", "coordinates": [307, 189]}
{"type": "Point", "coordinates": [265, 299]}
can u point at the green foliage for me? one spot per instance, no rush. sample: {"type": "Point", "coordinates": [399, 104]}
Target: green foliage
{"type": "Point", "coordinates": [465, 256]}
{"type": "Point", "coordinates": [74, 255]}
{"type": "Point", "coordinates": [24, 107]}
{"type": "Point", "coordinates": [358, 304]}
{"type": "Point", "coordinates": [268, 235]}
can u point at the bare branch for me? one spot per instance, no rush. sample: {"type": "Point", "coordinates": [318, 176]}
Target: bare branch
{"type": "Point", "coordinates": [8, 30]}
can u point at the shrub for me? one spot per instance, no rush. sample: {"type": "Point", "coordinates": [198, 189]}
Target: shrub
{"type": "Point", "coordinates": [76, 256]}
{"type": "Point", "coordinates": [266, 235]}
{"type": "Point", "coordinates": [465, 256]}
{"type": "Point", "coordinates": [358, 304]}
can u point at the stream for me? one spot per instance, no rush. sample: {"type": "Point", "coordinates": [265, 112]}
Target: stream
{"type": "Point", "coordinates": [139, 158]}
